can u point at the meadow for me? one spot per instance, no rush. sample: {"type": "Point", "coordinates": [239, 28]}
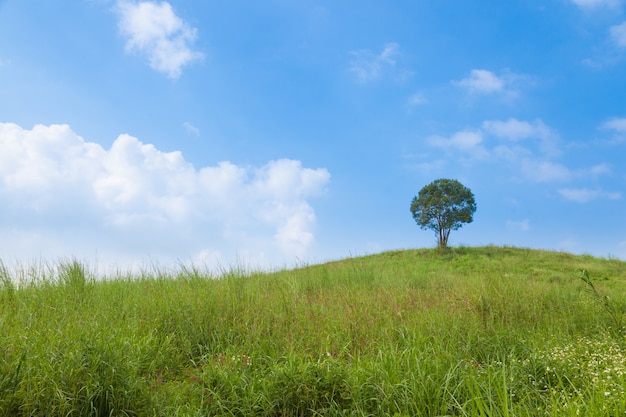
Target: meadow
{"type": "Point", "coordinates": [485, 331]}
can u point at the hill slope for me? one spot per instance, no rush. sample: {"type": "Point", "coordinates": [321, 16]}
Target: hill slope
{"type": "Point", "coordinates": [475, 331]}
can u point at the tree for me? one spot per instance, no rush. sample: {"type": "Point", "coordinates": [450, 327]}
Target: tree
{"type": "Point", "coordinates": [442, 206]}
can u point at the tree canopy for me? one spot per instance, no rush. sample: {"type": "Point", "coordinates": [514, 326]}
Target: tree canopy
{"type": "Point", "coordinates": [442, 206]}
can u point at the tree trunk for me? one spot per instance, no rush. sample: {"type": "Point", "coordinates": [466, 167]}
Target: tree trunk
{"type": "Point", "coordinates": [444, 234]}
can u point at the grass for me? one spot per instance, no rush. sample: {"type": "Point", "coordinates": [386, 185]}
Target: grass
{"type": "Point", "coordinates": [490, 331]}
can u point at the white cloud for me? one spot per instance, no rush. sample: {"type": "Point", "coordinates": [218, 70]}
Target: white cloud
{"type": "Point", "coordinates": [134, 200]}
{"type": "Point", "coordinates": [581, 195]}
{"type": "Point", "coordinates": [617, 124]}
{"type": "Point", "coordinates": [515, 130]}
{"type": "Point", "coordinates": [584, 195]}
{"type": "Point", "coordinates": [191, 129]}
{"type": "Point", "coordinates": [618, 34]}
{"type": "Point", "coordinates": [529, 149]}
{"type": "Point", "coordinates": [462, 140]}
{"type": "Point", "coordinates": [596, 3]}
{"type": "Point", "coordinates": [512, 132]}
{"type": "Point", "coordinates": [511, 129]}
{"type": "Point", "coordinates": [544, 171]}
{"type": "Point", "coordinates": [368, 66]}
{"type": "Point", "coordinates": [466, 141]}
{"type": "Point", "coordinates": [617, 127]}
{"type": "Point", "coordinates": [389, 52]}
{"type": "Point", "coordinates": [483, 82]}
{"type": "Point", "coordinates": [600, 169]}
{"type": "Point", "coordinates": [153, 29]}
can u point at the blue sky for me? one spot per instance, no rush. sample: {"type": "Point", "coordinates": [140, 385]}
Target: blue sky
{"type": "Point", "coordinates": [286, 132]}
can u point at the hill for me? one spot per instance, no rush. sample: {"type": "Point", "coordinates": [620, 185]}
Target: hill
{"type": "Point", "coordinates": [473, 331]}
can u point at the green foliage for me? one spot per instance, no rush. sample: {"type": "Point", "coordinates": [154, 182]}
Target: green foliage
{"type": "Point", "coordinates": [442, 206]}
{"type": "Point", "coordinates": [493, 331]}
{"type": "Point", "coordinates": [611, 307]}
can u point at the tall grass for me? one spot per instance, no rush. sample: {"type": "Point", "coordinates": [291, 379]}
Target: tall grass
{"type": "Point", "coordinates": [473, 332]}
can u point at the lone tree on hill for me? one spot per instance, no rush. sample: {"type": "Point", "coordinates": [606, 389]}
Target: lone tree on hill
{"type": "Point", "coordinates": [442, 206]}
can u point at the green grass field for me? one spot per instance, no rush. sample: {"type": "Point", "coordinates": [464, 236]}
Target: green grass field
{"type": "Point", "coordinates": [490, 331]}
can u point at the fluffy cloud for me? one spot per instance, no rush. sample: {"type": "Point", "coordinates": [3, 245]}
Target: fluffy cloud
{"type": "Point", "coordinates": [153, 29]}
{"type": "Point", "coordinates": [368, 66]}
{"type": "Point", "coordinates": [482, 81]}
{"type": "Point", "coordinates": [134, 199]}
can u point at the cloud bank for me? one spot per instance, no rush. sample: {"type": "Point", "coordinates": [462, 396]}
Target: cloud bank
{"type": "Point", "coordinates": [530, 149]}
{"type": "Point", "coordinates": [65, 196]}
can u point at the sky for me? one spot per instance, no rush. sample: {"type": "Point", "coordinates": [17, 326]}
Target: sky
{"type": "Point", "coordinates": [272, 134]}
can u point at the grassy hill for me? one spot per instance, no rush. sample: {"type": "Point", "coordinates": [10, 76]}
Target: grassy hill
{"type": "Point", "coordinates": [490, 331]}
